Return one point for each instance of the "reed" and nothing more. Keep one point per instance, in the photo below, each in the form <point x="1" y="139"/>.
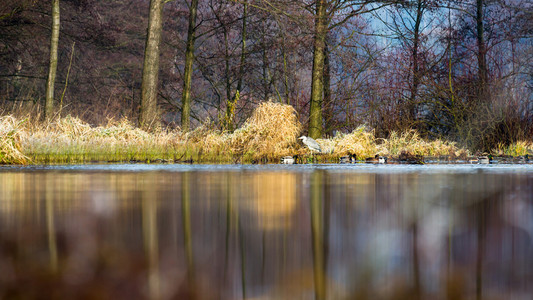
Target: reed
<point x="270" y="133"/>
<point x="10" y="138"/>
<point x="70" y="140"/>
<point x="205" y="144"/>
<point x="411" y="142"/>
<point x="519" y="148"/>
<point x="361" y="142"/>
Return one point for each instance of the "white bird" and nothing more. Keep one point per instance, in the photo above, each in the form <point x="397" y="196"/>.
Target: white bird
<point x="310" y="143"/>
<point x="288" y="160"/>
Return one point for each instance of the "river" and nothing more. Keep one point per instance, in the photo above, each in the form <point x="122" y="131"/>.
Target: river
<point x="167" y="231"/>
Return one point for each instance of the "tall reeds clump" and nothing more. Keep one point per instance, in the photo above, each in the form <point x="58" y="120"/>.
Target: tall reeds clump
<point x="518" y="148"/>
<point x="410" y="141"/>
<point x="10" y="148"/>
<point x="363" y="143"/>
<point x="360" y="142"/>
<point x="272" y="131"/>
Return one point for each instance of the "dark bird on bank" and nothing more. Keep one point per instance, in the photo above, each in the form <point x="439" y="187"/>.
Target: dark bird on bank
<point x="377" y="159"/>
<point x="348" y="159"/>
<point x="310" y="143"/>
<point x="523" y="159"/>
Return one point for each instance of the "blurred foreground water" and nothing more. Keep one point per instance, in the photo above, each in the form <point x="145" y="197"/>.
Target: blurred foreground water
<point x="266" y="232"/>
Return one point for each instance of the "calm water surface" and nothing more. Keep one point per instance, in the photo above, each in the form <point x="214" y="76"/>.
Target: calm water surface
<point x="266" y="232"/>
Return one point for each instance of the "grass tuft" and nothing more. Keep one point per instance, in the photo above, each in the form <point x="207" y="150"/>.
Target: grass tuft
<point x="272" y="131"/>
<point x="411" y="142"/>
<point x="363" y="143"/>
<point x="10" y="137"/>
<point x="519" y="148"/>
<point x="360" y="142"/>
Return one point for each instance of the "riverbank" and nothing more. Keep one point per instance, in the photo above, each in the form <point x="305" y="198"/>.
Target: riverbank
<point x="270" y="133"/>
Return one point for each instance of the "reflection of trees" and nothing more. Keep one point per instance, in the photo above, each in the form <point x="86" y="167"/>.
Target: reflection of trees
<point x="186" y="215"/>
<point x="50" y="226"/>
<point x="405" y="230"/>
<point x="270" y="199"/>
<point x="318" y="234"/>
<point x="416" y="262"/>
<point x="417" y="201"/>
<point x="229" y="208"/>
<point x="481" y="228"/>
<point x="187" y="235"/>
<point x="150" y="239"/>
<point x="233" y="213"/>
<point x="242" y="251"/>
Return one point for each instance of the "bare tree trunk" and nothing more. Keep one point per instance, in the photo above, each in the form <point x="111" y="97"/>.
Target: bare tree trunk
<point x="243" y="47"/>
<point x="266" y="79"/>
<point x="315" y="110"/>
<point x="416" y="69"/>
<point x="149" y="114"/>
<point x="285" y="71"/>
<point x="328" y="105"/>
<point x="52" y="69"/>
<point x="285" y="99"/>
<point x="189" y="58"/>
<point x="481" y="54"/>
<point x="230" y="106"/>
<point x="232" y="101"/>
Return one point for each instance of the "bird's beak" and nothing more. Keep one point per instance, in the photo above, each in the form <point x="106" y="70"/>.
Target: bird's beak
<point x="301" y="138"/>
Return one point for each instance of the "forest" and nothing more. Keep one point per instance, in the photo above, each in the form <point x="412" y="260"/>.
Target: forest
<point x="460" y="71"/>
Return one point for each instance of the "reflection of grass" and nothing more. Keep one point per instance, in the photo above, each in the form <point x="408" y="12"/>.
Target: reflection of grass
<point x="270" y="133"/>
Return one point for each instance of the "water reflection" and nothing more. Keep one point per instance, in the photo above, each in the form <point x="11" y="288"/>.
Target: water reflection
<point x="149" y="206"/>
<point x="283" y="233"/>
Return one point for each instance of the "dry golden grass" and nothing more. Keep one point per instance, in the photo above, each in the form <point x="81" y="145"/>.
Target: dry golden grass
<point x="208" y="143"/>
<point x="363" y="143"/>
<point x="360" y="142"/>
<point x="10" y="149"/>
<point x="71" y="140"/>
<point x="519" y="148"/>
<point x="270" y="132"/>
<point x="411" y="142"/>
